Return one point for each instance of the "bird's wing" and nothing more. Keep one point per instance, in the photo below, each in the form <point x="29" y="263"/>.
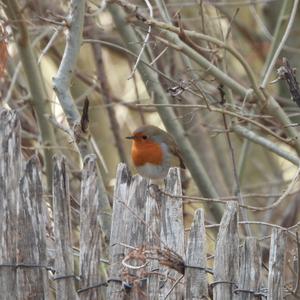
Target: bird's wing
<point x="175" y="150"/>
<point x="179" y="155"/>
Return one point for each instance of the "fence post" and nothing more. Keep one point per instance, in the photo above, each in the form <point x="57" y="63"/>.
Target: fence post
<point x="116" y="251"/>
<point x="172" y="230"/>
<point x="196" y="278"/>
<point x="135" y="235"/>
<point x="31" y="241"/>
<point x="64" y="263"/>
<point x="153" y="226"/>
<point x="226" y="263"/>
<point x="90" y="232"/>
<point x="276" y="264"/>
<point x="250" y="269"/>
<point x="10" y="169"/>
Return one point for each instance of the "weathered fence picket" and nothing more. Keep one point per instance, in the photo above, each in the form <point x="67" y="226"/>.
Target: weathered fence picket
<point x="135" y="235"/>
<point x="10" y="174"/>
<point x="172" y="230"/>
<point x="64" y="263"/>
<point x="196" y="261"/>
<point x="116" y="250"/>
<point x="276" y="264"/>
<point x="90" y="232"/>
<point x="250" y="270"/>
<point x="226" y="271"/>
<point x="153" y="225"/>
<point x="148" y="259"/>
<point x="32" y="274"/>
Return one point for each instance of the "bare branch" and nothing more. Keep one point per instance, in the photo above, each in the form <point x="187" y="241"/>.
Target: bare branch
<point x="62" y="80"/>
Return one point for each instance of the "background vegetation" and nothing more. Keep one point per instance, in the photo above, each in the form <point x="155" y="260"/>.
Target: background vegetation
<point x="204" y="70"/>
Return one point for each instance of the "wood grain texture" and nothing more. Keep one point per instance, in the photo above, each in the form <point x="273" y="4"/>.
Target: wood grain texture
<point x="31" y="240"/>
<point x="90" y="231"/>
<point x="226" y="263"/>
<point x="276" y="264"/>
<point x="195" y="278"/>
<point x="250" y="269"/>
<point x="116" y="251"/>
<point x="64" y="264"/>
<point x="153" y="224"/>
<point x="135" y="235"/>
<point x="172" y="230"/>
<point x="10" y="169"/>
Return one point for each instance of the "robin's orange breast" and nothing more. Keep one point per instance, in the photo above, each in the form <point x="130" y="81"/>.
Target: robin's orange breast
<point x="146" y="152"/>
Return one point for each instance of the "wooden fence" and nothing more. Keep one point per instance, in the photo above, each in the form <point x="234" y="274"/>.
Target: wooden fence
<point x="150" y="256"/>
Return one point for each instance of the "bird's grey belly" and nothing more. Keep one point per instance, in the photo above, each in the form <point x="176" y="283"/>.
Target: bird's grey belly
<point x="153" y="171"/>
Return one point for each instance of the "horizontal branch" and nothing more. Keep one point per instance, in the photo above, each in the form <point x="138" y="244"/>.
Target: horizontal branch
<point x="257" y="139"/>
<point x="227" y="112"/>
<point x="275" y="204"/>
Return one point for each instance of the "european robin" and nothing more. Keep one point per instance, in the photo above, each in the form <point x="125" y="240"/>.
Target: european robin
<point x="154" y="151"/>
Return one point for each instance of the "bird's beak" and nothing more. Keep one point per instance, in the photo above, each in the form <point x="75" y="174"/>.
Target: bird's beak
<point x="130" y="137"/>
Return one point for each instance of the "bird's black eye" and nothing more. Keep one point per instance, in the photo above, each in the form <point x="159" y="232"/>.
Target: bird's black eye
<point x="144" y="137"/>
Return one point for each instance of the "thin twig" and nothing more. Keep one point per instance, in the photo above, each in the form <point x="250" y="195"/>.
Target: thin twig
<point x="50" y="43"/>
<point x="107" y="99"/>
<point x="222" y="111"/>
<point x="159" y="56"/>
<point x="236" y="177"/>
<point x="12" y="83"/>
<point x="256" y="223"/>
<point x="252" y="195"/>
<point x="65" y="129"/>
<point x="125" y="264"/>
<point x="99" y="154"/>
<point x="63" y="21"/>
<point x="132" y="256"/>
<point x="143" y="222"/>
<point x="254" y="208"/>
<point x="145" y="41"/>
<point x="174" y="285"/>
<point x="281" y="198"/>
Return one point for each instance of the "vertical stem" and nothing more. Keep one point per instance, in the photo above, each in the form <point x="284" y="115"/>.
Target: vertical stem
<point x="238" y="191"/>
<point x="107" y="98"/>
<point x="61" y="85"/>
<point x="34" y="79"/>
